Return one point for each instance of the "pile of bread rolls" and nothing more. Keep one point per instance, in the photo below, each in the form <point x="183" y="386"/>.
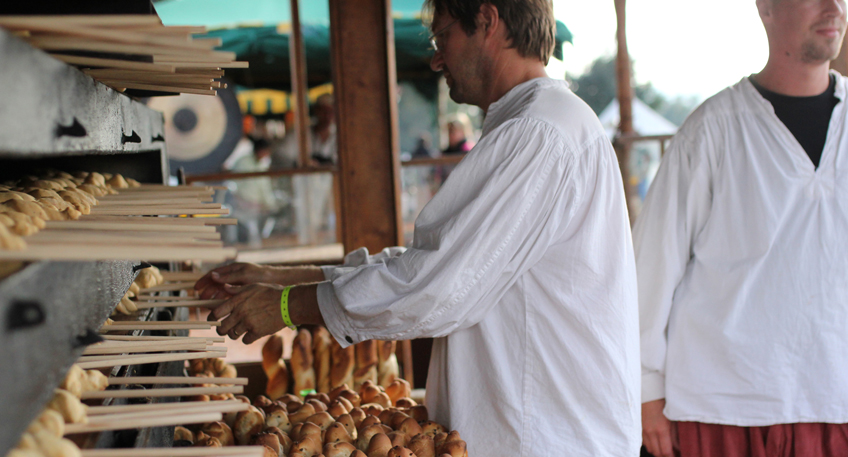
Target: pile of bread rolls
<point x="44" y="435"/>
<point x="374" y="422"/>
<point x="319" y="363"/>
<point x="147" y="277"/>
<point x="26" y="203"/>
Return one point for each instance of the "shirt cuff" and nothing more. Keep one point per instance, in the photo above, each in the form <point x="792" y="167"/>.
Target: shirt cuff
<point x="334" y="316"/>
<point x="328" y="271"/>
<point x="653" y="386"/>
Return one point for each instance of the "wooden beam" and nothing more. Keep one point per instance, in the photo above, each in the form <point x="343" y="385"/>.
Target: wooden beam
<point x="297" y="56"/>
<point x="840" y="63"/>
<point x="625" y="103"/>
<point x="365" y="88"/>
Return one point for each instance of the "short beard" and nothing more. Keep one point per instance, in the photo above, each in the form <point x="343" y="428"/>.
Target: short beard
<point x="812" y="52"/>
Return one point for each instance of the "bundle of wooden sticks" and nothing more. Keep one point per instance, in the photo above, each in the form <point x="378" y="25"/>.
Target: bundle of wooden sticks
<point x="134" y="52"/>
<point x="117" y="225"/>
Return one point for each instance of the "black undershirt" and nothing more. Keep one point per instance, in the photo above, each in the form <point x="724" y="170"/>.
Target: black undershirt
<point x="807" y="118"/>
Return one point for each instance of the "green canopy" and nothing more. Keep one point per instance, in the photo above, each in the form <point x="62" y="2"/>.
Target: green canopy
<point x="267" y="50"/>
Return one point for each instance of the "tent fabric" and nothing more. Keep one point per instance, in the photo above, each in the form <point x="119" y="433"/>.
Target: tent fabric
<point x="267" y="50"/>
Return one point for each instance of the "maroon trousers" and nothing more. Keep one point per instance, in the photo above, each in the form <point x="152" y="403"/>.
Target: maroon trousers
<point x="783" y="440"/>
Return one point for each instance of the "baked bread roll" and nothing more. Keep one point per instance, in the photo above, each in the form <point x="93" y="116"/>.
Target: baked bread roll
<point x="270" y="440"/>
<point x="342" y="365"/>
<point x="69" y="406"/>
<point x="275" y="368"/>
<point x="397" y="389"/>
<point x="184" y="434"/>
<point x="339" y="449"/>
<point x="422" y="445"/>
<point x="51" y="446"/>
<point x="337" y="432"/>
<point x="322" y="353"/>
<point x="301" y="362"/>
<point x="379" y="445"/>
<point x="399" y="451"/>
<point x="366" y="363"/>
<point x="50" y="421"/>
<point x="221" y="431"/>
<point x="387" y="364"/>
<point x="247" y="424"/>
<point x="10" y="241"/>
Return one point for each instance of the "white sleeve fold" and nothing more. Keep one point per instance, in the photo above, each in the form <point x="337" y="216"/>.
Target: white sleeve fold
<point x="675" y="211"/>
<point x="359" y="257"/>
<point x="490" y="222"/>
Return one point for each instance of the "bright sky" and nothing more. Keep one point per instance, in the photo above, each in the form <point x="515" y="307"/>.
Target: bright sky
<point x="684" y="47"/>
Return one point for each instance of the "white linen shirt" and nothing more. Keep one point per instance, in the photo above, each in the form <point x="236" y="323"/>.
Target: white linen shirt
<point x="742" y="255"/>
<point x="521" y="266"/>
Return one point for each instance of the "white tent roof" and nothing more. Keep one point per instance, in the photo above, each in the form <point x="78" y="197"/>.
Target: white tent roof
<point x="646" y="121"/>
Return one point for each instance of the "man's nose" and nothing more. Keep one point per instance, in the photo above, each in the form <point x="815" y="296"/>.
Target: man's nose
<point x="437" y="62"/>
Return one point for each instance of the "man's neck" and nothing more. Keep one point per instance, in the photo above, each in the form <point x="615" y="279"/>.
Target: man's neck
<point x="794" y="79"/>
<point x="508" y="74"/>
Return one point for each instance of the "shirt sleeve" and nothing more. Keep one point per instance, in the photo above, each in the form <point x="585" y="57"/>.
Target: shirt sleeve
<point x="675" y="211"/>
<point x="491" y="220"/>
<point x="360" y="257"/>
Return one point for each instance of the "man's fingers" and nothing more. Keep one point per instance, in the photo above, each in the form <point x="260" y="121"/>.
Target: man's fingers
<point x="221" y="310"/>
<point x="250" y="337"/>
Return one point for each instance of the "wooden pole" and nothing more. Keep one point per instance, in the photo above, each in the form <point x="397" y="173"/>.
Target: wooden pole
<point x="625" y="100"/>
<point x="840" y="63"/>
<point x="365" y="87"/>
<point x="297" y="56"/>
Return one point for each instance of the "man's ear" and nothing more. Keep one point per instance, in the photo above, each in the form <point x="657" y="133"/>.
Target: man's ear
<point x="488" y="19"/>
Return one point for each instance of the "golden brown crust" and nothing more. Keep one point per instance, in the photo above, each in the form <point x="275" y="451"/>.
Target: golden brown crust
<point x="301" y="362"/>
<point x="321" y="351"/>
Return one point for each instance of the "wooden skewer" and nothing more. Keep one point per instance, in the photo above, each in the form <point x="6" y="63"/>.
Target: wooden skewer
<point x="171" y="419"/>
<point x="179" y="304"/>
<point x="129" y="226"/>
<point x="165" y="298"/>
<point x="229" y="451"/>
<point x="170" y="287"/>
<point x="120" y="252"/>
<point x="131" y="357"/>
<point x="157" y="325"/>
<point x="209" y="339"/>
<point x="144" y="348"/>
<point x="166" y="392"/>
<point x="176" y="380"/>
<point x="106" y="418"/>
<point x="182" y="275"/>
<point x="187" y="406"/>
<point x="156" y="210"/>
<point x="129" y="360"/>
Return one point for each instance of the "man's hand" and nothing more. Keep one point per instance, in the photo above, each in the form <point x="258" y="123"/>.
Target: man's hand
<point x="657" y="433"/>
<point x="253" y="311"/>
<point x="211" y="285"/>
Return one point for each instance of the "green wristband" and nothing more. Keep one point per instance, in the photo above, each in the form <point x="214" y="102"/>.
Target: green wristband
<point x="284" y="308"/>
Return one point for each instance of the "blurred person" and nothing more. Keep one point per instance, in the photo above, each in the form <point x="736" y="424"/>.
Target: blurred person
<point x="521" y="266"/>
<point x="313" y="193"/>
<point x="459" y="134"/>
<point x="742" y="258"/>
<point x="254" y="198"/>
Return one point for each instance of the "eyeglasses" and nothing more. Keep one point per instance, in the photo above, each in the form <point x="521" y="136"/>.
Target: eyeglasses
<point x="434" y="37"/>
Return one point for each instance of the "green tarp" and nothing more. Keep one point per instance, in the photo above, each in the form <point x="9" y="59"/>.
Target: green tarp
<point x="268" y="53"/>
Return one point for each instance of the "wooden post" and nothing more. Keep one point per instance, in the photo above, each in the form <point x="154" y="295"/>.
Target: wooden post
<point x="625" y="99"/>
<point x="840" y="63"/>
<point x="365" y="88"/>
<point x="297" y="56"/>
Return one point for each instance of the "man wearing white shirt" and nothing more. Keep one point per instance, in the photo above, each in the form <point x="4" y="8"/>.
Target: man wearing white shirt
<point x="521" y="266"/>
<point x="742" y="258"/>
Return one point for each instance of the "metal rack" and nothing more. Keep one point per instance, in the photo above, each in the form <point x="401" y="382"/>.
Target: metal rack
<point x="53" y="116"/>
